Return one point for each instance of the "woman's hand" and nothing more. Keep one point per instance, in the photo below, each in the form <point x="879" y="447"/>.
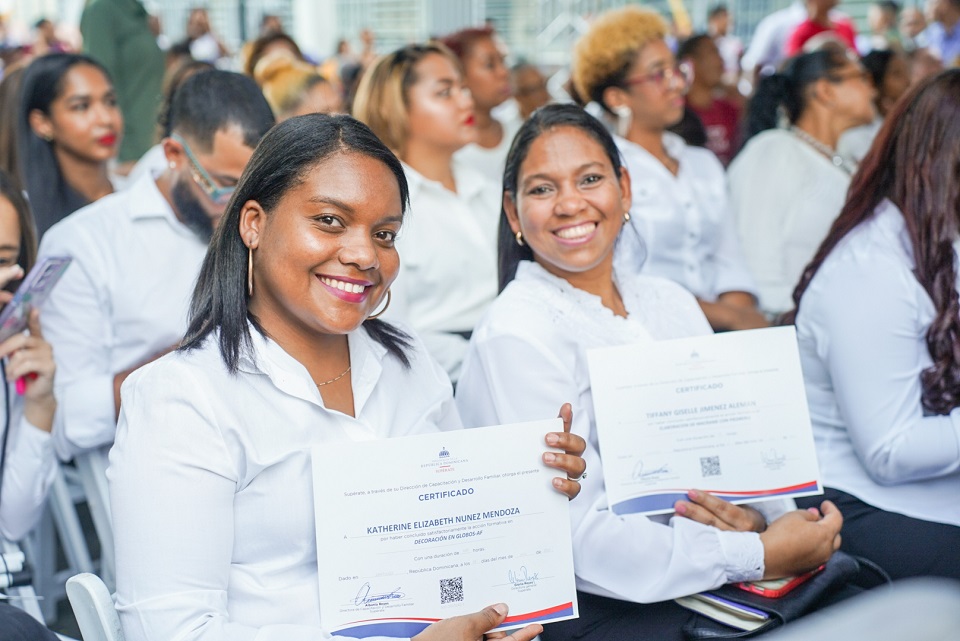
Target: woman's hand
<point x="801" y="540"/>
<point x="710" y="510"/>
<point x="571" y="462"/>
<point x="8" y="274"/>
<point x="31" y="358"/>
<point x="471" y="627"/>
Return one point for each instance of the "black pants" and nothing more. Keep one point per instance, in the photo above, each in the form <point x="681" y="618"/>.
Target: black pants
<point x="17" y="625"/>
<point x="901" y="545"/>
<point x="603" y="619"/>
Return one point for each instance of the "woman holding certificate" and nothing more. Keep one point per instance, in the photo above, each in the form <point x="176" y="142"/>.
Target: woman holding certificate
<point x="566" y="201"/>
<point x="210" y="476"/>
<point x="879" y="328"/>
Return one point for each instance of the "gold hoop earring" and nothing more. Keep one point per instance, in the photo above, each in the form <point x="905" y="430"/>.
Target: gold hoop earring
<point x="626" y="216"/>
<point x="519" y="237"/>
<point x="380" y="313"/>
<point x="250" y="271"/>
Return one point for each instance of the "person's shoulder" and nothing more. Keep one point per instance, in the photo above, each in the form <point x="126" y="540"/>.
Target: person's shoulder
<point x="181" y="371"/>
<point x="92" y="224"/>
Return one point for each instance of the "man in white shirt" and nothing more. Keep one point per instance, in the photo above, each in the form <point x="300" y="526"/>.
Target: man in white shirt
<point x="136" y="255"/>
<point x="766" y="50"/>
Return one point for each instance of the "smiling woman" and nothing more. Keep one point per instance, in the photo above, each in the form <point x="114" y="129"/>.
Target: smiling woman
<point x="284" y="353"/>
<point x="68" y="128"/>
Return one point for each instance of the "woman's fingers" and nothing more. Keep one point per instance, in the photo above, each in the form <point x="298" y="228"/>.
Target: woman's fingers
<point x="10" y="273"/>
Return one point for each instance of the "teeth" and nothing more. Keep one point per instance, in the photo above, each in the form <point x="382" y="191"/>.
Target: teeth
<point x="576" y="232"/>
<point x="351" y="288"/>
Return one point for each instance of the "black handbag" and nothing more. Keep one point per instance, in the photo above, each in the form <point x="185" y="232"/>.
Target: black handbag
<point x="842" y="572"/>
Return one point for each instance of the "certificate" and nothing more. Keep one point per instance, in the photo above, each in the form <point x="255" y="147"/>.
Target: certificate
<point x="724" y="413"/>
<point x="416" y="529"/>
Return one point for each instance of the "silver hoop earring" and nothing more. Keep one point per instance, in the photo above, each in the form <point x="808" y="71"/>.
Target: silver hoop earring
<point x="519" y="237"/>
<point x="250" y="271"/>
<point x="380" y="313"/>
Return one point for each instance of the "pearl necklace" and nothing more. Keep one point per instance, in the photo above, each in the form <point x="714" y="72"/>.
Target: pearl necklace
<point x="824" y="150"/>
<point x="334" y="380"/>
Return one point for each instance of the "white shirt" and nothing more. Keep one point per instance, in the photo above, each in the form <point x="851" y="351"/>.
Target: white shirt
<point x="491" y="161"/>
<point x="152" y="163"/>
<point x="30" y="468"/>
<point x="862" y="330"/>
<point x="855" y="142"/>
<point x="123" y="299"/>
<point x="784" y="195"/>
<point x="769" y="39"/>
<point x="527" y="357"/>
<point x="680" y="226"/>
<point x="211" y="484"/>
<point x="448" y="260"/>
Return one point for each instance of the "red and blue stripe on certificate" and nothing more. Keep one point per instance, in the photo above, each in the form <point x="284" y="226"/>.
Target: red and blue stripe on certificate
<point x="664" y="500"/>
<point x="411" y="626"/>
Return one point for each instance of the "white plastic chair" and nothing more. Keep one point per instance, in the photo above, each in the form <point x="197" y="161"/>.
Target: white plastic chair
<point x="93" y="607"/>
<point x="92" y="470"/>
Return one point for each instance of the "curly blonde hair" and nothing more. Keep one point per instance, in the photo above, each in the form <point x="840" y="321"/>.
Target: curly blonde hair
<point x="603" y="55"/>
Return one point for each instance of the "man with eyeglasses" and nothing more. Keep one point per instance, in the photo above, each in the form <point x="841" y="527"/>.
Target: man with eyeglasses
<point x="136" y="254"/>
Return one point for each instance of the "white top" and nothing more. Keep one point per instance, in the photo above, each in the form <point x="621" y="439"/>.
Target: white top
<point x="784" y="195"/>
<point x="491" y="161"/>
<point x="212" y="495"/>
<point x="152" y="163"/>
<point x="123" y="299"/>
<point x="527" y="357"/>
<point x="448" y="261"/>
<point x="862" y="330"/>
<point x="680" y="226"/>
<point x="855" y="142"/>
<point x="30" y="468"/>
<point x="770" y="37"/>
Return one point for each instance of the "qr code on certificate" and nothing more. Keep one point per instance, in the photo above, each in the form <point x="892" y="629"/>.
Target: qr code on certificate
<point x="709" y="466"/>
<point x="451" y="590"/>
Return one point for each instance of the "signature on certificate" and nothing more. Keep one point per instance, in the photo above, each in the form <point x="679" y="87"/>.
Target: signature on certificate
<point x="772" y="459"/>
<point x="640" y="470"/>
<point x="364" y="597"/>
<point x="523" y="576"/>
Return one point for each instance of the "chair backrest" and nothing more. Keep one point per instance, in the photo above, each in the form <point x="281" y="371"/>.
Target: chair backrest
<point x="94" y="609"/>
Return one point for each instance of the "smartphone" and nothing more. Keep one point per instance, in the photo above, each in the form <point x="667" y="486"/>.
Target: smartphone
<point x="778" y="587"/>
<point x="32" y="292"/>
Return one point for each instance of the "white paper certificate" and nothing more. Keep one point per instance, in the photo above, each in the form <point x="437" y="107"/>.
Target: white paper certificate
<point x="725" y="413"/>
<point x="415" y="529"/>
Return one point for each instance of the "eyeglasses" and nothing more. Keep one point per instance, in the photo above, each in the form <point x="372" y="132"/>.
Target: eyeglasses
<point x="219" y="195"/>
<point x="666" y="77"/>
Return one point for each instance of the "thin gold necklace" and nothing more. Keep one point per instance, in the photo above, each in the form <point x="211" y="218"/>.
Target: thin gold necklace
<point x="334" y="380"/>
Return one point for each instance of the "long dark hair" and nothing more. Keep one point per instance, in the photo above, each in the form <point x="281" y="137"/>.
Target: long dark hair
<point x="915" y="164"/>
<point x="28" y="234"/>
<point x="786" y="90"/>
<point x="283" y="157"/>
<point x="51" y="198"/>
<point x="542" y="120"/>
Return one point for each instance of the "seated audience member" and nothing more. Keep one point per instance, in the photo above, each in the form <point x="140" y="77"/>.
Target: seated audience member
<point x="487" y="79"/>
<point x="912" y="24"/>
<point x="680" y="214"/>
<point x="136" y="254"/>
<point x="268" y="45"/>
<point x="819" y="27"/>
<point x="216" y="437"/>
<point x="889" y="70"/>
<point x="882" y="20"/>
<point x="788" y="184"/>
<point x="942" y="36"/>
<point x="766" y="50"/>
<point x="565" y="204"/>
<point x="923" y="64"/>
<point x="415" y="101"/>
<point x="878" y="323"/>
<point x="295" y="88"/>
<point x="529" y="89"/>
<point x="68" y="129"/>
<point x="27" y="460"/>
<point x="720" y="29"/>
<point x="155" y="160"/>
<point x="720" y="117"/>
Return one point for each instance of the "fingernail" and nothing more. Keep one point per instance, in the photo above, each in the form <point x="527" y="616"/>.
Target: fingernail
<point x="680" y="508"/>
<point x="814" y="511"/>
<point x="693" y="494"/>
<point x="549" y="457"/>
<point x="501" y="609"/>
<point x="553" y="439"/>
<point x="558" y="483"/>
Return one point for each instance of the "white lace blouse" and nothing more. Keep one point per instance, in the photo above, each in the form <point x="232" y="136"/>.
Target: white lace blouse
<point x="528" y="356"/>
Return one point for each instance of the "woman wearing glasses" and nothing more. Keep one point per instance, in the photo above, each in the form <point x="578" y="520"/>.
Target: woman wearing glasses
<point x="788" y="184"/>
<point x="68" y="130"/>
<point x="681" y="225"/>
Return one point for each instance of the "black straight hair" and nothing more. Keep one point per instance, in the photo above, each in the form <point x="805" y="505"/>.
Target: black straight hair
<point x="541" y="121"/>
<point x="10" y="190"/>
<point x="43" y="81"/>
<point x="279" y="163"/>
<point x="786" y="91"/>
<point x="212" y="100"/>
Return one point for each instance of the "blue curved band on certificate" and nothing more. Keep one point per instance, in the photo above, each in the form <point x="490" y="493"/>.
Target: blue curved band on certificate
<point x="666" y="500"/>
<point x="404" y="628"/>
